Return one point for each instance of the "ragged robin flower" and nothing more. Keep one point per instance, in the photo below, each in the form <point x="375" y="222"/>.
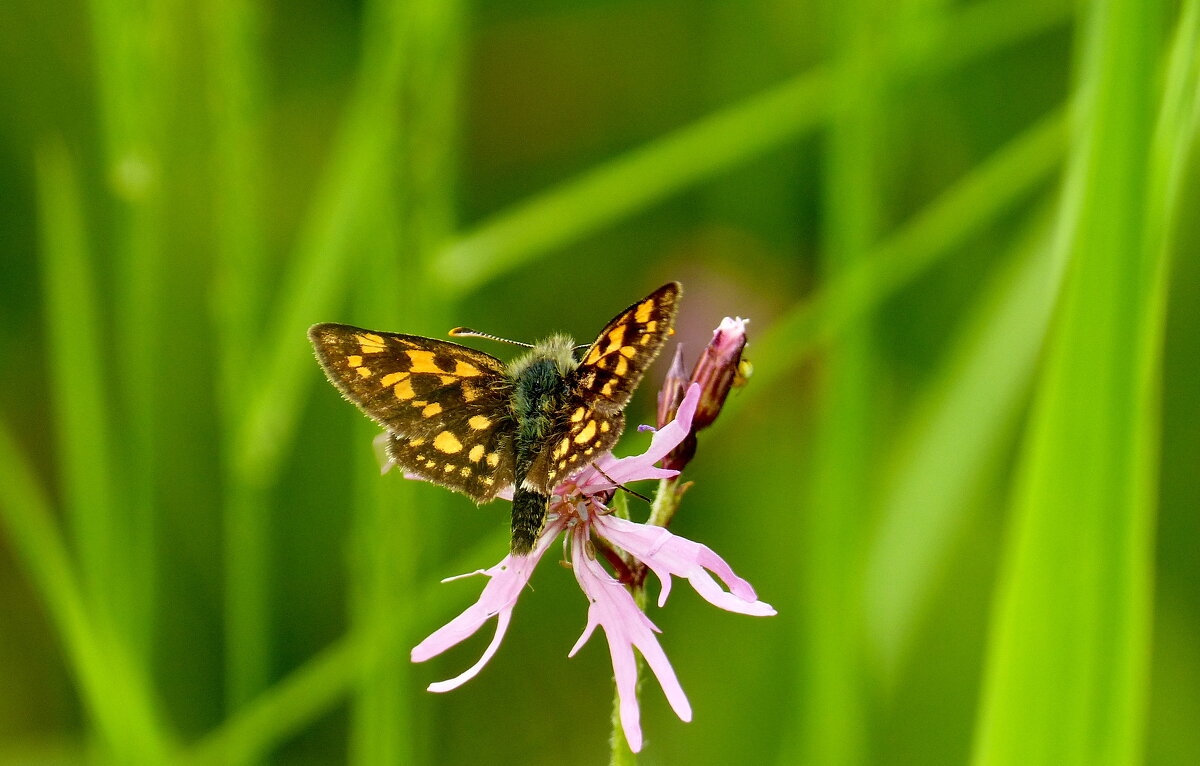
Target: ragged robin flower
<point x="715" y="372"/>
<point x="580" y="513"/>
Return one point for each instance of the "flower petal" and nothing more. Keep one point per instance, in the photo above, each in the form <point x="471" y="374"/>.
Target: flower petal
<point x="667" y="554"/>
<point x="625" y="627"/>
<point x="665" y="439"/>
<point x="499" y="596"/>
<point x="379" y="447"/>
<point x="460" y="679"/>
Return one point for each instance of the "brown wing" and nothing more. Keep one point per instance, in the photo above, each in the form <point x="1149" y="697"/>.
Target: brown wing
<point x="442" y="403"/>
<point x="614" y="364"/>
<point x="479" y="467"/>
<point x="573" y="445"/>
<point x="591" y="420"/>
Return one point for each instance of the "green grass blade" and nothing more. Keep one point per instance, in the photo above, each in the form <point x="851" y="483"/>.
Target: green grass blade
<point x="988" y="191"/>
<point x="232" y="32"/>
<point x="1178" y="118"/>
<point x="81" y="405"/>
<point x="321" y="683"/>
<point x="1066" y="670"/>
<point x="633" y="182"/>
<point x="363" y="155"/>
<point x="382" y="551"/>
<point x="120" y="705"/>
<point x="235" y="94"/>
<point x="953" y="439"/>
<point x="407" y="218"/>
<point x="701" y="151"/>
<point x="832" y="721"/>
<point x="385" y="540"/>
<point x="133" y="46"/>
<point x="113" y="688"/>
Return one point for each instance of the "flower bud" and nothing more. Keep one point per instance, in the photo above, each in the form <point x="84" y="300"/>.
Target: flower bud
<point x="673" y="388"/>
<point x="717" y="369"/>
<point x="720" y="367"/>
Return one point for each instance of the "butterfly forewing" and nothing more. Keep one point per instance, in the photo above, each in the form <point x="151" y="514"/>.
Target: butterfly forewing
<point x="614" y="364"/>
<point x="443" y="404"/>
<point x="591" y="420"/>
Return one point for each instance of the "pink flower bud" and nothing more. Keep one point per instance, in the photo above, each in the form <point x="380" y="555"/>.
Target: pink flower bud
<point x="717" y="369"/>
<point x="674" y="387"/>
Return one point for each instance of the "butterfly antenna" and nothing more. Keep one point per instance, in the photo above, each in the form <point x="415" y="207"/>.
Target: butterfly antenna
<point x="622" y="486"/>
<point x="467" y="332"/>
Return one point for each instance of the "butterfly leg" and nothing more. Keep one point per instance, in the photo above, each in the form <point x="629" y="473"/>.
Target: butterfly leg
<point x="528" y="517"/>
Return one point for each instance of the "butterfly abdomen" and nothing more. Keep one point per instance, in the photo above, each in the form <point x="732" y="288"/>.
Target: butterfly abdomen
<point x="528" y="517"/>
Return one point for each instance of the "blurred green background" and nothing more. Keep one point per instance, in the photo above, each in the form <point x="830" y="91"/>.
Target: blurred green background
<point x="964" y="471"/>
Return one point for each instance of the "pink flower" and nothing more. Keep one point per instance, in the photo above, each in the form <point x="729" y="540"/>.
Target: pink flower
<point x="717" y="369"/>
<point x="578" y="510"/>
<point x="715" y="372"/>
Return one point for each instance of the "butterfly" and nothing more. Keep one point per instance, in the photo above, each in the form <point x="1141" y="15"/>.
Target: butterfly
<point x="467" y="421"/>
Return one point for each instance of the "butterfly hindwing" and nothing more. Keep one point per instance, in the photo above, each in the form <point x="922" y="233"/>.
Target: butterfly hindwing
<point x="480" y="466"/>
<point x="574" y="444"/>
<point x="441" y="402"/>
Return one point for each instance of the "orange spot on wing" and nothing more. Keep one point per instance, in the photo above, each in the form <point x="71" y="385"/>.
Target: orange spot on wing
<point x="645" y="310"/>
<point x="422" y="361"/>
<point x="593" y="355"/>
<point x="369" y="343"/>
<point x="588" y="432"/>
<point x="447" y="442"/>
<point x="404" y="389"/>
<point x="392" y="378"/>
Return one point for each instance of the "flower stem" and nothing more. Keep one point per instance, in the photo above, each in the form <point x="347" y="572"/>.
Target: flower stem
<point x="666" y="501"/>
<point x="621" y="754"/>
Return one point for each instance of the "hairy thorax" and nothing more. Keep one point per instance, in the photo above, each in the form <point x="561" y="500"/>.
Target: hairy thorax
<point x="539" y="390"/>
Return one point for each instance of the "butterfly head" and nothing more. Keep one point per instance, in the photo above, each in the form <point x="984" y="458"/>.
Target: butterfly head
<point x="558" y="350"/>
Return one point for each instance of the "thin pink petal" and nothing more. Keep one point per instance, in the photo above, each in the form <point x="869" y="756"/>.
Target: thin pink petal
<point x="625" y="628"/>
<point x="664" y="440"/>
<point x="499" y="596"/>
<point x="471" y="672"/>
<point x="667" y="554"/>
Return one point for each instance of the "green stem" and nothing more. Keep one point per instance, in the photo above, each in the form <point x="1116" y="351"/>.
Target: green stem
<point x="666" y="502"/>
